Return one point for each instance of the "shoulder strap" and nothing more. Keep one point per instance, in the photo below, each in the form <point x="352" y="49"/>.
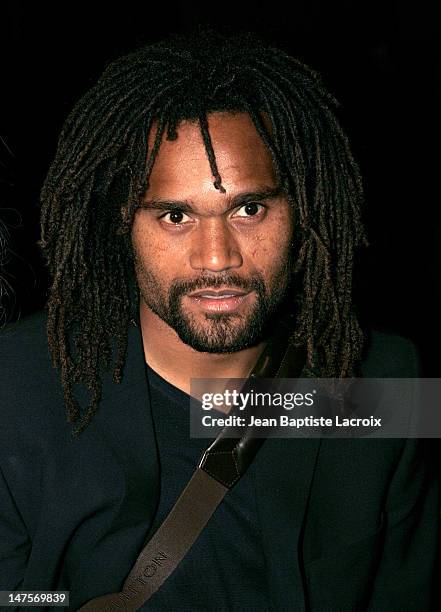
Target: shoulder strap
<point x="221" y="467"/>
<point x="168" y="546"/>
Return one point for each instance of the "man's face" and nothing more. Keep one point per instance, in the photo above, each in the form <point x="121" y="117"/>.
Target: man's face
<point x="214" y="266"/>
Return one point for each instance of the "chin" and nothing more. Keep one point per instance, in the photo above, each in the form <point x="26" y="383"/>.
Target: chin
<point x="220" y="338"/>
<point x="226" y="349"/>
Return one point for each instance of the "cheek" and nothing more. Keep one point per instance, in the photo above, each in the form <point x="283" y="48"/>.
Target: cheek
<point x="156" y="261"/>
<point x="145" y="242"/>
<point x="269" y="248"/>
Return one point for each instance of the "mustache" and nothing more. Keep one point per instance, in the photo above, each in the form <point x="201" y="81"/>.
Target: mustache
<point x="182" y="287"/>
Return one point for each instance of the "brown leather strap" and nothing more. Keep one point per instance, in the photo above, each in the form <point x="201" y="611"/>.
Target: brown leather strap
<point x="221" y="466"/>
<point x="165" y="550"/>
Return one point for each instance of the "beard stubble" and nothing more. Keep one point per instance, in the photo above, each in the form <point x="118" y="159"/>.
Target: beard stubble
<point x="218" y="332"/>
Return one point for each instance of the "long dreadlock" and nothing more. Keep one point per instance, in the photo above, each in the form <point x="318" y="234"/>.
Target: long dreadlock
<point x="100" y="174"/>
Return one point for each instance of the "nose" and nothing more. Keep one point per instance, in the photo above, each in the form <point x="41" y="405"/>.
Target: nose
<point x="214" y="247"/>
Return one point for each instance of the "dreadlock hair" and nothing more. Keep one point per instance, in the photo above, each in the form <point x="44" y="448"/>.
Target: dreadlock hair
<point x="101" y="171"/>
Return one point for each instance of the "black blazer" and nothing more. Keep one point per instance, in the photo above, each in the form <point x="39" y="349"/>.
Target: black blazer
<point x="347" y="524"/>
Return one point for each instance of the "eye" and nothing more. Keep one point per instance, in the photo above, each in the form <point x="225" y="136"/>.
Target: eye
<point x="249" y="210"/>
<point x="175" y="217"/>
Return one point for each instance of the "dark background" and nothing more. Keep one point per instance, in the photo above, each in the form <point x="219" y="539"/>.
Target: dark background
<point x="380" y="59"/>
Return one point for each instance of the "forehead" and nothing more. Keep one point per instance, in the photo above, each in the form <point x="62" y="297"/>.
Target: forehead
<point x="242" y="158"/>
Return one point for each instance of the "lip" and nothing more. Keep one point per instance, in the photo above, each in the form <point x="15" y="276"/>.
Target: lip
<point x="224" y="300"/>
<point x="219" y="294"/>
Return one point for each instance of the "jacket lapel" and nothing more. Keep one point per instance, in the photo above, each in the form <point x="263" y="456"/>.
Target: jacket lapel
<point x="127" y="426"/>
<point x="284" y="471"/>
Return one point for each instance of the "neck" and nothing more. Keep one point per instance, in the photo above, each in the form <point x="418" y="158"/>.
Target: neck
<point x="178" y="363"/>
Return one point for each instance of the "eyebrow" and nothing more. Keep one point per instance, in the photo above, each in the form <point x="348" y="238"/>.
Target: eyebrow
<point x="266" y="193"/>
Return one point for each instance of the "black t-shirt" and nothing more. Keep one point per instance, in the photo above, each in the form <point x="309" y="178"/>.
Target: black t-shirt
<point x="224" y="570"/>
